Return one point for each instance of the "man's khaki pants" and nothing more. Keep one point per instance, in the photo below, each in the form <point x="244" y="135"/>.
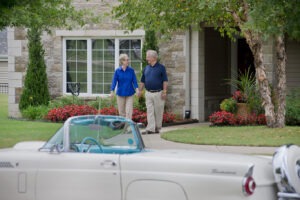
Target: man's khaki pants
<point x="155" y="110"/>
<point x="125" y="106"/>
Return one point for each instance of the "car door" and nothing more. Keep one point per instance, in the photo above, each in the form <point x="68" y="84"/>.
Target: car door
<point x="77" y="176"/>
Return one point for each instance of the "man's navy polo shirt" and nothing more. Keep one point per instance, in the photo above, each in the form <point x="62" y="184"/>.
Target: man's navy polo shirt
<point x="153" y="77"/>
<point x="126" y="81"/>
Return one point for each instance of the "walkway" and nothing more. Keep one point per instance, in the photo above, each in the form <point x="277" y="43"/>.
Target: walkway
<point x="154" y="141"/>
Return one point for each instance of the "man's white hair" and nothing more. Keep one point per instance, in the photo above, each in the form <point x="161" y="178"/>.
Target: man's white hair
<point x="152" y="53"/>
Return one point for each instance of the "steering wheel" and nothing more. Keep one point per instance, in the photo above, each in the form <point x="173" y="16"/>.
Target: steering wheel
<point x="92" y="140"/>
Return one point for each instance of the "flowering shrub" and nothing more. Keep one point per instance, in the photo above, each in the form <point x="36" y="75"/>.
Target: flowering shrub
<point x="222" y="118"/>
<point x="139" y="116"/>
<point x="109" y="111"/>
<point x="168" y="117"/>
<point x="261" y="119"/>
<point x="239" y="97"/>
<point x="63" y="113"/>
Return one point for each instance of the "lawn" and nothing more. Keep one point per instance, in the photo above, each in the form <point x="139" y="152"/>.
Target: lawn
<point x="236" y="136"/>
<point x="13" y="131"/>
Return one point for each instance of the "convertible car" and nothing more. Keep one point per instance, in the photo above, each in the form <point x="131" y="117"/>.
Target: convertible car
<point x="103" y="157"/>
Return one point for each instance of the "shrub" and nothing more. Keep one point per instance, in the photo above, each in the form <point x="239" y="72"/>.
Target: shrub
<point x="168" y="117"/>
<point x="63" y="113"/>
<point x="261" y="119"/>
<point x="65" y="100"/>
<point x="222" y="118"/>
<point x="139" y="116"/>
<point x="103" y="102"/>
<point x="239" y="97"/>
<point x="35" y="91"/>
<point x="109" y="111"/>
<point x="292" y="116"/>
<point x="35" y="112"/>
<point x="140" y="102"/>
<point x="229" y="105"/>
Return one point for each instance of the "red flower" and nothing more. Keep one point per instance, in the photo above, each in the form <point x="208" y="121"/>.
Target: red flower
<point x="63" y="113"/>
<point x="239" y="97"/>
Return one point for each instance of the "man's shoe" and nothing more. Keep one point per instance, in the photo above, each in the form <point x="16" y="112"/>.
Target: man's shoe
<point x="156" y="130"/>
<point x="147" y="132"/>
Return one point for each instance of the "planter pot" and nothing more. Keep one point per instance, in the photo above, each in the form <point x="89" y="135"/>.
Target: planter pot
<point x="242" y="109"/>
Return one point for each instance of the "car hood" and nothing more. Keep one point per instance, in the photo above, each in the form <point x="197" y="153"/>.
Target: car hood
<point x="201" y="162"/>
<point x="30" y="145"/>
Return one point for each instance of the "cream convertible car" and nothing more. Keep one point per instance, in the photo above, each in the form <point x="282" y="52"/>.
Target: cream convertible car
<point x="103" y="157"/>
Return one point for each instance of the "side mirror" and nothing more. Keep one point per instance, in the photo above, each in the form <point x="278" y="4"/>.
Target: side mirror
<point x="55" y="148"/>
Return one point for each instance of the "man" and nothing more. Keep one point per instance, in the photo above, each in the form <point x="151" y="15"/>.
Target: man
<point x="155" y="80"/>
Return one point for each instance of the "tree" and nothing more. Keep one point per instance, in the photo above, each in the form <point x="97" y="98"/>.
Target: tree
<point x="35" y="90"/>
<point x="149" y="43"/>
<point x="231" y="17"/>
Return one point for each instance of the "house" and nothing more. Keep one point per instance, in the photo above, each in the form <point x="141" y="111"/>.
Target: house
<point x="3" y="62"/>
<point x="197" y="62"/>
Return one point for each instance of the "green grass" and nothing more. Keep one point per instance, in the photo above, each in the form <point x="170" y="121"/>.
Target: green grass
<point x="13" y="131"/>
<point x="236" y="136"/>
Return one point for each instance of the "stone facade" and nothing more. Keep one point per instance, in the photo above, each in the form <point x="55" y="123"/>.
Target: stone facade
<point x="172" y="55"/>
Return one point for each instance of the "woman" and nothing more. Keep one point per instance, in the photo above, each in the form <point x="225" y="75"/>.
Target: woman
<point x="125" y="80"/>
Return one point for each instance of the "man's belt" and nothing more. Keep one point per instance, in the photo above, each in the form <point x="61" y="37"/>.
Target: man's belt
<point x="153" y="91"/>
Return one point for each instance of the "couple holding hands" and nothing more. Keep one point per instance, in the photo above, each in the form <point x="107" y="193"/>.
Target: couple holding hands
<point x="154" y="80"/>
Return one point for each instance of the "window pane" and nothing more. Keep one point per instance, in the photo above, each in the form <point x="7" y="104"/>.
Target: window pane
<point x="109" y="67"/>
<point x="76" y="63"/>
<point x="136" y="66"/>
<point x="97" y="89"/>
<point x="97" y="66"/>
<point x="108" y="77"/>
<point x="71" y="77"/>
<point x="124" y="44"/>
<point x="97" y="44"/>
<point x="82" y="66"/>
<point x="98" y="55"/>
<point x="109" y="44"/>
<point x="71" y="44"/>
<point x="97" y="77"/>
<point x="71" y="54"/>
<point x="82" y="55"/>
<point x="82" y="77"/>
<point x="106" y="89"/>
<point x="81" y="44"/>
<point x="109" y="55"/>
<point x="103" y="59"/>
<point x="71" y="66"/>
<point x="83" y="88"/>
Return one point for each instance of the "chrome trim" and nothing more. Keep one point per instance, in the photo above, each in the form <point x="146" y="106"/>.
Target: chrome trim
<point x="288" y="195"/>
<point x="6" y="165"/>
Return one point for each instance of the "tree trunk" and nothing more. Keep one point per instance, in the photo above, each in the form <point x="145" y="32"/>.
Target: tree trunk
<point x="255" y="44"/>
<point x="281" y="81"/>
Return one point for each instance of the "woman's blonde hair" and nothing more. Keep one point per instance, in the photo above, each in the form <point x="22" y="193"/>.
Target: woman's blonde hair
<point x="122" y="57"/>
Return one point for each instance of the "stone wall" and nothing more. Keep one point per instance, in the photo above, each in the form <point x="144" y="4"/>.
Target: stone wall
<point x="172" y="55"/>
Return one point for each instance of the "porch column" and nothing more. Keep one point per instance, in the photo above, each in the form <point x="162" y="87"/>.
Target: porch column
<point x="197" y="75"/>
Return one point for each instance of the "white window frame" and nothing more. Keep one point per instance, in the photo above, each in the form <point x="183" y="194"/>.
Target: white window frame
<point x="89" y="60"/>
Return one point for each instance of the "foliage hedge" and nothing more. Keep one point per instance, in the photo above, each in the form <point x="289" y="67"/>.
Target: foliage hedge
<point x="63" y="113"/>
<point x="292" y="116"/>
<point x="224" y="118"/>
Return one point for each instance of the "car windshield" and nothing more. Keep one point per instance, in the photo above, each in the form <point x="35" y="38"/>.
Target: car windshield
<point x="96" y="134"/>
